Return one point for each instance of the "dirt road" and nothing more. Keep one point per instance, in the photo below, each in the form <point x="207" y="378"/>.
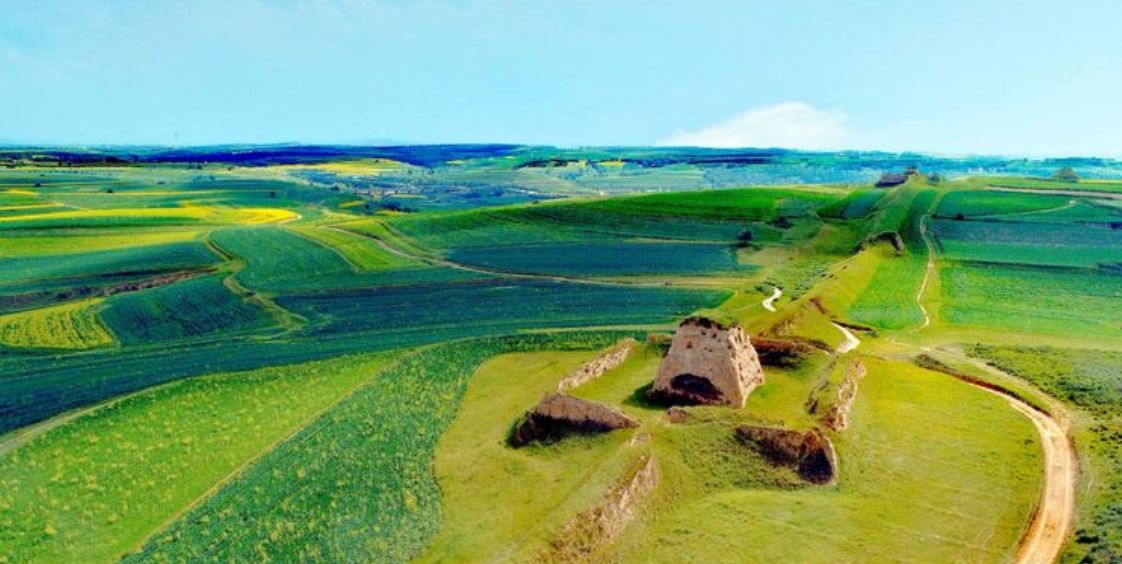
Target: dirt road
<point x="1055" y="513"/>
<point x="851" y="341"/>
<point x="927" y="272"/>
<point x="769" y="302"/>
<point x="1054" y="516"/>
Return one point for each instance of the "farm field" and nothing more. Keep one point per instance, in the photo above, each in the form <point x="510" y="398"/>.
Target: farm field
<point x="321" y="354"/>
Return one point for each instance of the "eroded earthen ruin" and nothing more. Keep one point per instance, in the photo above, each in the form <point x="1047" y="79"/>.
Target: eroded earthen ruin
<point x="557" y="416"/>
<point x="708" y="363"/>
<point x="810" y="454"/>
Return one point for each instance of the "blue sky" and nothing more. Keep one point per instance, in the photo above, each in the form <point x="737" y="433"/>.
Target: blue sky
<point x="1003" y="77"/>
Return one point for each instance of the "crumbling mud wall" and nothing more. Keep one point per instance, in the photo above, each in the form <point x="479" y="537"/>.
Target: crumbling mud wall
<point x="596" y="527"/>
<point x="596" y="367"/>
<point x="836" y="415"/>
<point x="708" y="363"/>
<point x="557" y="416"/>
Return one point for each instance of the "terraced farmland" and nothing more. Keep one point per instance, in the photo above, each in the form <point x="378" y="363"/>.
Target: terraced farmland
<point x="240" y="356"/>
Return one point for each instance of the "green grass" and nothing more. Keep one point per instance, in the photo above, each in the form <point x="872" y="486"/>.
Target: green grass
<point x="73" y="242"/>
<point x="96" y="487"/>
<point x="604" y="259"/>
<point x="1049" y="184"/>
<point x="915" y="436"/>
<point x="1047" y="301"/>
<point x="889" y="301"/>
<point x="972" y="203"/>
<point x="1022" y="242"/>
<point x="356" y="484"/>
<point x="491" y="307"/>
<point x="101" y="268"/>
<point x="511" y="502"/>
<point x="1091" y="381"/>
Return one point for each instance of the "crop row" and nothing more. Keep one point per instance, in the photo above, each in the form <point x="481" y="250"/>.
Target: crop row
<point x="192" y="308"/>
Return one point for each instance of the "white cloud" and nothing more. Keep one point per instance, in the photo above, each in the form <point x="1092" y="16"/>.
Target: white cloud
<point x="791" y="125"/>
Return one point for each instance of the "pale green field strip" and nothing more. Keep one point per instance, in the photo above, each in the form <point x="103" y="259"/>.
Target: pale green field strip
<point x="98" y="486"/>
<point x="923" y="477"/>
<point x="360" y="251"/>
<point x="73" y="325"/>
<point x="87" y="241"/>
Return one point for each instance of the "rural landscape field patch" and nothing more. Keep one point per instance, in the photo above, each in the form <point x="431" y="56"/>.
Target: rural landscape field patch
<point x="249" y="355"/>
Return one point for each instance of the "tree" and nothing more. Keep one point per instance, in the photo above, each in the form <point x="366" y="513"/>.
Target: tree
<point x="1066" y="174"/>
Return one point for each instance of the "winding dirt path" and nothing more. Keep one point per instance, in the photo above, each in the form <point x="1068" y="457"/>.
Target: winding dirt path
<point x="927" y="272"/>
<point x="769" y="302"/>
<point x="1055" y="513"/>
<point x="851" y="341"/>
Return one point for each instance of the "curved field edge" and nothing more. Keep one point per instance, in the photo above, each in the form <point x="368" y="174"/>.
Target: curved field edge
<point x="97" y="485"/>
<point x="356" y="484"/>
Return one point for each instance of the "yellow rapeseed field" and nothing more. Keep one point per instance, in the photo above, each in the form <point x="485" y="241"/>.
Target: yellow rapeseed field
<point x="71" y="325"/>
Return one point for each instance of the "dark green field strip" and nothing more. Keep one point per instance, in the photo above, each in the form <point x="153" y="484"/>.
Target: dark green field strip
<point x="604" y="259"/>
<point x="494" y="306"/>
<point x="857" y="204"/>
<point x="98" y="269"/>
<point x="1050" y="184"/>
<point x="971" y="203"/>
<point x="356" y="485"/>
<point x="1065" y="244"/>
<point x="193" y="308"/>
<point x="1095" y="213"/>
<point x="696" y="216"/>
<point x="280" y="260"/>
<point x="33" y="388"/>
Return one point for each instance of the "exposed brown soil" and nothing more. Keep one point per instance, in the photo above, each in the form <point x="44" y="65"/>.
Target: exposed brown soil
<point x="1055" y="513"/>
<point x="557" y="416"/>
<point x="811" y="454"/>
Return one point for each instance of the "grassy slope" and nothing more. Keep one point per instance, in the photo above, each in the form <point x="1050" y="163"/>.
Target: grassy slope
<point x="357" y="483"/>
<point x="1091" y="381"/>
<point x="922" y="477"/>
<point x="99" y="485"/>
<point x="508" y="503"/>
